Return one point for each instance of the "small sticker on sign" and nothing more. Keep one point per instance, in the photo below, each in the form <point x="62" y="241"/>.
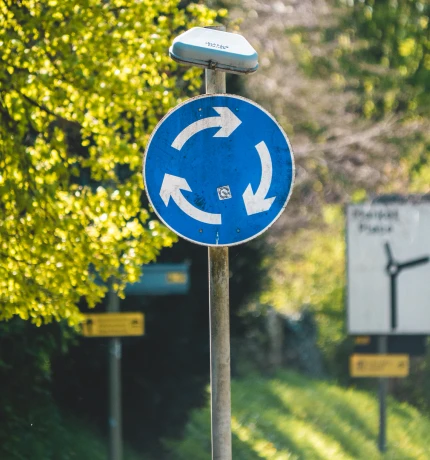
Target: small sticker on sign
<point x="224" y="192"/>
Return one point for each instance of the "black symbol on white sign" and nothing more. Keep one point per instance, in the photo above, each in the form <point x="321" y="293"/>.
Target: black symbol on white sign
<point x="393" y="269"/>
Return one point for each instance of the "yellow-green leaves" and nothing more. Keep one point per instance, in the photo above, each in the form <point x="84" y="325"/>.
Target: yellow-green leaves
<point x="396" y="36"/>
<point x="82" y="85"/>
<point x="314" y="271"/>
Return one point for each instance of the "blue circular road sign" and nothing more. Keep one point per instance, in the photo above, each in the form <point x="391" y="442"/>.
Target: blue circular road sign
<point x="218" y="170"/>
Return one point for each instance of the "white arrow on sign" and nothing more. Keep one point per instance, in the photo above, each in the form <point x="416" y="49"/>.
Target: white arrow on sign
<point x="172" y="186"/>
<point x="227" y="121"/>
<point x="255" y="203"/>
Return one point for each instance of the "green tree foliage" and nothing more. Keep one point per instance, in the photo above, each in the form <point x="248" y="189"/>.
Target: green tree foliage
<point x="384" y="53"/>
<point x="82" y="85"/>
<point x="32" y="426"/>
<point x="292" y="417"/>
<point x="377" y="53"/>
<point x="390" y="42"/>
<point x="312" y="272"/>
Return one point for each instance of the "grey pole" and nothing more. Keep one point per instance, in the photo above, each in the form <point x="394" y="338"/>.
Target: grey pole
<point x="220" y="353"/>
<point x="219" y="325"/>
<point x="382" y="390"/>
<point x="115" y="425"/>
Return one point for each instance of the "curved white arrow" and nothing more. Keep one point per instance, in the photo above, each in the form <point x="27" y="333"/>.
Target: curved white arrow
<point x="172" y="186"/>
<point x="255" y="203"/>
<point x="227" y="121"/>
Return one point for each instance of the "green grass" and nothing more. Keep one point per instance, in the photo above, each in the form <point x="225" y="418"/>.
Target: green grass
<point x="292" y="417"/>
<point x="82" y="443"/>
<point x="68" y="439"/>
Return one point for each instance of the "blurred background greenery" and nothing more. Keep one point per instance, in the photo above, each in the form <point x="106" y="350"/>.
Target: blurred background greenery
<point x="82" y="85"/>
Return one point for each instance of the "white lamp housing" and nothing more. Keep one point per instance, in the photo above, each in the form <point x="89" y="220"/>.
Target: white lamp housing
<point x="214" y="49"/>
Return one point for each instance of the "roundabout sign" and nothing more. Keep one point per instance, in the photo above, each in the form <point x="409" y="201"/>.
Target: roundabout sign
<point x="218" y="170"/>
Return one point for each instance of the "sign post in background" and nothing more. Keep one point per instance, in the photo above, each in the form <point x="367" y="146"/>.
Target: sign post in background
<point x="382" y="393"/>
<point x="157" y="279"/>
<point x="388" y="266"/>
<point x="115" y="416"/>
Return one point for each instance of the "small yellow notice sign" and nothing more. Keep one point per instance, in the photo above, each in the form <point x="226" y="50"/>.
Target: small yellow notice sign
<point x="362" y="340"/>
<point x="176" y="278"/>
<point x="381" y="365"/>
<point x="113" y="324"/>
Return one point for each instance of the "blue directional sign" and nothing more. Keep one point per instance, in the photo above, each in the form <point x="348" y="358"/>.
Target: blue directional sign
<point x="218" y="170"/>
<point x="161" y="279"/>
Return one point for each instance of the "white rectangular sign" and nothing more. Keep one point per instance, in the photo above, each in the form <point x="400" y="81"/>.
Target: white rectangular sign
<point x="388" y="258"/>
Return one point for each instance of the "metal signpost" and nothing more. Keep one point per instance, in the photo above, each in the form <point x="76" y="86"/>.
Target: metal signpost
<point x="218" y="171"/>
<point x="115" y="402"/>
<point x="157" y="279"/>
<point x="114" y="325"/>
<point x="219" y="321"/>
<point x="382" y="394"/>
<point x="388" y="253"/>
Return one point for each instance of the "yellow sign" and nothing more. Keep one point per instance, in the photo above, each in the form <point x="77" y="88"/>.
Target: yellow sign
<point x="113" y="324"/>
<point x="361" y="365"/>
<point x="362" y="340"/>
<point x="176" y="278"/>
